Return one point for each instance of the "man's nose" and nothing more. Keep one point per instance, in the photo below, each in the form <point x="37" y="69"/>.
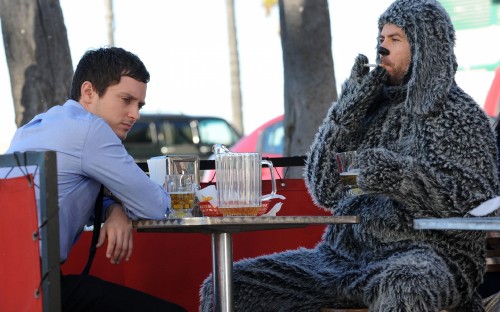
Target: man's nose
<point x="383" y="51"/>
<point x="134" y="113"/>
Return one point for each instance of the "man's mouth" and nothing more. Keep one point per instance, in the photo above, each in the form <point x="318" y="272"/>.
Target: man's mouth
<point x="127" y="126"/>
<point x="384" y="62"/>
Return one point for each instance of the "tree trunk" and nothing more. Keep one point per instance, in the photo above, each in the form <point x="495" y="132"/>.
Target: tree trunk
<point x="308" y="72"/>
<point x="237" y="115"/>
<point x="38" y="55"/>
<point x="110" y="22"/>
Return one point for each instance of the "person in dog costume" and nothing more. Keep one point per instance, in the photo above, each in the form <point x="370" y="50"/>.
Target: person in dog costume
<point x="425" y="150"/>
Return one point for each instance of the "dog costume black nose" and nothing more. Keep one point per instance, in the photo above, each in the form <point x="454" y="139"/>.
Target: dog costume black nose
<point x="383" y="51"/>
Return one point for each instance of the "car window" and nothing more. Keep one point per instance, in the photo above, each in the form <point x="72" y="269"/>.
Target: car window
<point x="214" y="131"/>
<point x="142" y="133"/>
<point x="272" y="139"/>
<point x="178" y="132"/>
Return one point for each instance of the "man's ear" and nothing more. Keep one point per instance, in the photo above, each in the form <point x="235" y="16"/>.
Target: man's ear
<point x="87" y="93"/>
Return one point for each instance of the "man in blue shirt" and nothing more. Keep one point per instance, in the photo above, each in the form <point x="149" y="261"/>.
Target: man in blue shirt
<point x="107" y="92"/>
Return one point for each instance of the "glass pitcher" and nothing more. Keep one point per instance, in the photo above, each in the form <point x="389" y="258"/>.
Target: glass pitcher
<point x="239" y="181"/>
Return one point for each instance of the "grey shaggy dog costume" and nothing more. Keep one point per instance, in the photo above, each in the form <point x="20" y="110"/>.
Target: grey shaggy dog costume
<point x="426" y="150"/>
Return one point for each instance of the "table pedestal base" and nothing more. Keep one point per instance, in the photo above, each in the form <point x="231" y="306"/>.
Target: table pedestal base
<point x="222" y="266"/>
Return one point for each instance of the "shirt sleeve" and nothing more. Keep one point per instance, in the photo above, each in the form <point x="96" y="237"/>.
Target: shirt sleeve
<point x="105" y="159"/>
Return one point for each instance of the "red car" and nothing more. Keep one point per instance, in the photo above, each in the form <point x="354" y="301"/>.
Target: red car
<point x="492" y="103"/>
<point x="266" y="139"/>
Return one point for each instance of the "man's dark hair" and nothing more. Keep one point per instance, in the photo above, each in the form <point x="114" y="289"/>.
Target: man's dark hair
<point x="104" y="67"/>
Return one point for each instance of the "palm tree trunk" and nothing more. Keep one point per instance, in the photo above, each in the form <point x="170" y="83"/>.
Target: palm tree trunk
<point x="236" y="103"/>
<point x="110" y="21"/>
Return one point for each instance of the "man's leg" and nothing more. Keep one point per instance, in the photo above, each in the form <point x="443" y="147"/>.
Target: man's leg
<point x="87" y="293"/>
<point x="297" y="280"/>
<point x="416" y="280"/>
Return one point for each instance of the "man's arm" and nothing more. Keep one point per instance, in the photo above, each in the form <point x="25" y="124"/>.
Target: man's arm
<point x="118" y="230"/>
<point x="456" y="172"/>
<point x="105" y="160"/>
<point x="339" y="131"/>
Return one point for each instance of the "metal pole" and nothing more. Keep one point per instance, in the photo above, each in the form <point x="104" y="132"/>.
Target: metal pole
<point x="222" y="279"/>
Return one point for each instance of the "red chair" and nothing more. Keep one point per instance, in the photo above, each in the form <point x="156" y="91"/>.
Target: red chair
<point x="30" y="279"/>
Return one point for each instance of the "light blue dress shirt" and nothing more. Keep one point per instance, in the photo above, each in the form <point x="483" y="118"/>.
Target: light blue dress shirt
<point x="89" y="154"/>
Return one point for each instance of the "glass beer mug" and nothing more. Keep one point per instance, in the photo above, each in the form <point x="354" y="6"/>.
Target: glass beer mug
<point x="348" y="172"/>
<point x="239" y="181"/>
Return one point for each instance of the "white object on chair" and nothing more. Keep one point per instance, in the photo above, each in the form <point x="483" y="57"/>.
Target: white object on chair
<point x="486" y="207"/>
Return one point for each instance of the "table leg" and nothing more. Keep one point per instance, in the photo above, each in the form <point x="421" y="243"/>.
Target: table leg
<point x="222" y="268"/>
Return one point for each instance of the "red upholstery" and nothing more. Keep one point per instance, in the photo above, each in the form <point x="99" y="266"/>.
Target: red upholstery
<point x="20" y="272"/>
<point x="173" y="265"/>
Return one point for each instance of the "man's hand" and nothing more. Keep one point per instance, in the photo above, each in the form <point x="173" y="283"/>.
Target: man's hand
<point x="358" y="93"/>
<point x="359" y="70"/>
<point x="118" y="230"/>
<point x="381" y="170"/>
<point x="367" y="80"/>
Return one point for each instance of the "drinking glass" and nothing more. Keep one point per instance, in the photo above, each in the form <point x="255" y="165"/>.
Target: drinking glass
<point x="348" y="171"/>
<point x="181" y="188"/>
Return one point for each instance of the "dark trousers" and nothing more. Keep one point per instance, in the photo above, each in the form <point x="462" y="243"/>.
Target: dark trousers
<point x="490" y="285"/>
<point x="89" y="293"/>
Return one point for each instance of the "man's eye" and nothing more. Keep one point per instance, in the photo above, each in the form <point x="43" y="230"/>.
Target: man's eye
<point x="127" y="100"/>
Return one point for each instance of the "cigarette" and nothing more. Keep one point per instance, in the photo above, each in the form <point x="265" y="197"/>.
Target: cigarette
<point x="371" y="65"/>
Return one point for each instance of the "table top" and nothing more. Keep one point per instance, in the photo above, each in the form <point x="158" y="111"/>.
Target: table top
<point x="472" y="223"/>
<point x="238" y="224"/>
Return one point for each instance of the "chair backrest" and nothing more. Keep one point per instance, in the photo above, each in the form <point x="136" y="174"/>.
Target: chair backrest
<point x="29" y="252"/>
<point x="492" y="253"/>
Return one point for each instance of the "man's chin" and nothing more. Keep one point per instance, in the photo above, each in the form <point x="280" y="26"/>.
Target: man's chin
<point x="121" y="136"/>
<point x="394" y="81"/>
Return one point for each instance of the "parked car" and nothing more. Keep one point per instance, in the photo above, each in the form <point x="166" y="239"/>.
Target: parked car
<point x="169" y="134"/>
<point x="267" y="139"/>
<point x="492" y="102"/>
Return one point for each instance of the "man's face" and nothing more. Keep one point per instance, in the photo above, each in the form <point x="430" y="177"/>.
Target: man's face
<point x="120" y="104"/>
<point x="397" y="62"/>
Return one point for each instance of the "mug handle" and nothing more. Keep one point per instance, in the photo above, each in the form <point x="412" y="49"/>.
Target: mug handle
<point x="273" y="181"/>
